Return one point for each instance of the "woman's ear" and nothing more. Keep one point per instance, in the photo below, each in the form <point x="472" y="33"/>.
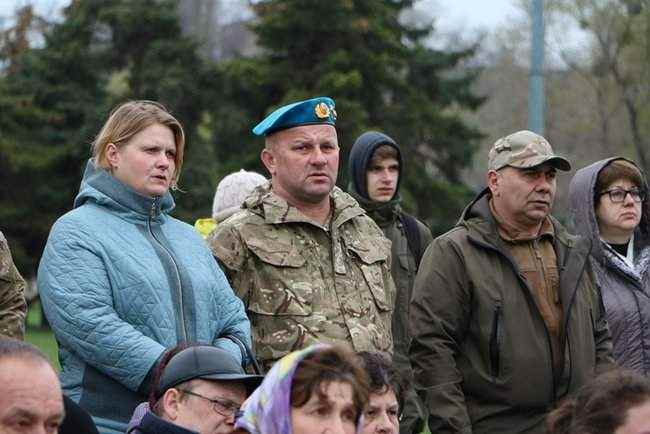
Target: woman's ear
<point x="112" y="155"/>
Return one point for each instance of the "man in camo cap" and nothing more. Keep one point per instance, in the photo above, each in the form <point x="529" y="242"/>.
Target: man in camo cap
<point x="308" y="262"/>
<point x="12" y="295"/>
<point x="506" y="317"/>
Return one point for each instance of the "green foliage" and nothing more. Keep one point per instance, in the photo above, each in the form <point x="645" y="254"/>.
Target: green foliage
<point x="57" y="98"/>
<point x="382" y="77"/>
<point x="44" y="340"/>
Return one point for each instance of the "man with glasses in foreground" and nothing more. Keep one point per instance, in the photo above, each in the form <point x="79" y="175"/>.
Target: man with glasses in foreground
<point x="609" y="206"/>
<point x="505" y="315"/>
<point x="199" y="390"/>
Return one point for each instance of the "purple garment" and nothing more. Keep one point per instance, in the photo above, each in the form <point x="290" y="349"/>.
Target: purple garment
<point x="268" y="409"/>
<point x="137" y="416"/>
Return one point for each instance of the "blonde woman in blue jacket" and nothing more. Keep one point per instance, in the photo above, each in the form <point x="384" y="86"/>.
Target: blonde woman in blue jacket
<point x="121" y="281"/>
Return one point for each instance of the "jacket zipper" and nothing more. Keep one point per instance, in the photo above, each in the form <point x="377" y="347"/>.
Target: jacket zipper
<point x="529" y="296"/>
<point x="496" y="335"/>
<point x="565" y="341"/>
<point x="152" y="214"/>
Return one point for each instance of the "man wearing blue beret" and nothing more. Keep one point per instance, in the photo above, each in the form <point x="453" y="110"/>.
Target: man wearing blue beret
<point x="308" y="262"/>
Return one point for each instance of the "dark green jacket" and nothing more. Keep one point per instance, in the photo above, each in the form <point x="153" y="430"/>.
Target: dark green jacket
<point x="390" y="218"/>
<point x="481" y="353"/>
<point x="403" y="271"/>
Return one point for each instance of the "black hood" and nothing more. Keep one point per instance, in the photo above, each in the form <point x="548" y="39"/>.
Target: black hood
<point x="360" y="155"/>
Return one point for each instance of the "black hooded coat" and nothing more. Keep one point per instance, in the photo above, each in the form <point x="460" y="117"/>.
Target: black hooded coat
<point x="405" y="256"/>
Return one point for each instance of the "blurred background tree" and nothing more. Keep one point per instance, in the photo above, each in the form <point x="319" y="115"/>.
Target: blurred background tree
<point x="371" y="56"/>
<point x="597" y="83"/>
<point x="54" y="99"/>
<point x="376" y="66"/>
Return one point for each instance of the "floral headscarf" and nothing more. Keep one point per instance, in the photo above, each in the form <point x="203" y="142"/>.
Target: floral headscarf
<point x="268" y="409"/>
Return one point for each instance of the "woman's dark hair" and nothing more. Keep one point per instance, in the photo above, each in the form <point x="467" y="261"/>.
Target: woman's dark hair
<point x="322" y="367"/>
<point x="614" y="171"/>
<point x="601" y="406"/>
<point x="383" y="375"/>
<point x="623" y="169"/>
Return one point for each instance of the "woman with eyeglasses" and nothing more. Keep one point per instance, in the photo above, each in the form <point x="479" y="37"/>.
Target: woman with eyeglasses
<point x="608" y="205"/>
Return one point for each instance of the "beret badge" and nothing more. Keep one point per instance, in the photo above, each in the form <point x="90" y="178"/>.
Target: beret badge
<point x="321" y="110"/>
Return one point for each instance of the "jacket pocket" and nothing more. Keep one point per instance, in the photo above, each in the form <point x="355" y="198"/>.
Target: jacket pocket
<point x="373" y="261"/>
<point x="281" y="283"/>
<point x="496" y="340"/>
<point x="407" y="263"/>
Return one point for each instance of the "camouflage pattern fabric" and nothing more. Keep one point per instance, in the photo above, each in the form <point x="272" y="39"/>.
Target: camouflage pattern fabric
<point x="524" y="149"/>
<point x="12" y="295"/>
<point x="303" y="283"/>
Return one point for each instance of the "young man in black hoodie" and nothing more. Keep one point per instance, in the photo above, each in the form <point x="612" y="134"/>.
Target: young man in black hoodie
<point x="375" y="169"/>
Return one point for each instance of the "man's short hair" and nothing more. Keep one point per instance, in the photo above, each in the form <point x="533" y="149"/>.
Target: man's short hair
<point x="15" y="349"/>
<point x="383" y="152"/>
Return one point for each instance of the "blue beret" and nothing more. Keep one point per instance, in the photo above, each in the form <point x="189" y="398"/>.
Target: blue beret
<point x="310" y="112"/>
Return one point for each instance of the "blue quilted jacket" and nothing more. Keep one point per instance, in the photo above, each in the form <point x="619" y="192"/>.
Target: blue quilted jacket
<point x="121" y="281"/>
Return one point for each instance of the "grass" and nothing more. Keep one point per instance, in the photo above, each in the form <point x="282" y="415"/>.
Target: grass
<point x="40" y="337"/>
<point x="44" y="340"/>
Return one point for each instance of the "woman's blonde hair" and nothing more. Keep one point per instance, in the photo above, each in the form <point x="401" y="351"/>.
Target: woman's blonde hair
<point x="127" y="120"/>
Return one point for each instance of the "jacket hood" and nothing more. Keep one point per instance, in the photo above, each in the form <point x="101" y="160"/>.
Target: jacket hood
<point x="581" y="204"/>
<point x="360" y="156"/>
<point x="478" y="207"/>
<point x="100" y="187"/>
<point x="478" y="220"/>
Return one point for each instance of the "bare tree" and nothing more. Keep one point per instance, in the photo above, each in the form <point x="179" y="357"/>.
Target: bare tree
<point x="620" y="54"/>
<point x="16" y="39"/>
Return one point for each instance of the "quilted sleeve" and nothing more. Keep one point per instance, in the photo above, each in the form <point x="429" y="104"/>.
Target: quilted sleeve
<point x="77" y="298"/>
<point x="233" y="316"/>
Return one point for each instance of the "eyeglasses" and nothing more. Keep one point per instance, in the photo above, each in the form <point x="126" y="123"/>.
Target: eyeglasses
<point x="617" y="195"/>
<point x="224" y="407"/>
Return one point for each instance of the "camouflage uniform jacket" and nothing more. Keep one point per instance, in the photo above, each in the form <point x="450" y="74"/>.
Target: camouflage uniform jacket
<point x="12" y="295"/>
<point x="304" y="283"/>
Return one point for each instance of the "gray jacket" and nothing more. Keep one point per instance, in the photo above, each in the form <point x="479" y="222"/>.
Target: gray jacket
<point x="625" y="289"/>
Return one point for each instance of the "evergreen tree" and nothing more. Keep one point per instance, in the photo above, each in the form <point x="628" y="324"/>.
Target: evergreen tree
<point x="381" y="75"/>
<point x="56" y="98"/>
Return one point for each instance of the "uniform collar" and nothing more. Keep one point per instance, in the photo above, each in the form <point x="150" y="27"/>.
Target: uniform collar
<point x="276" y="210"/>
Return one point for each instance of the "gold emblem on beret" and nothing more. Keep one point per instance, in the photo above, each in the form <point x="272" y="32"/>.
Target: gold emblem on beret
<point x="321" y="110"/>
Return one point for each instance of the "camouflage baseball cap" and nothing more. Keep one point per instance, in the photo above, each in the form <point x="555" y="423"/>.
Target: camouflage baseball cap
<point x="524" y="149"/>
